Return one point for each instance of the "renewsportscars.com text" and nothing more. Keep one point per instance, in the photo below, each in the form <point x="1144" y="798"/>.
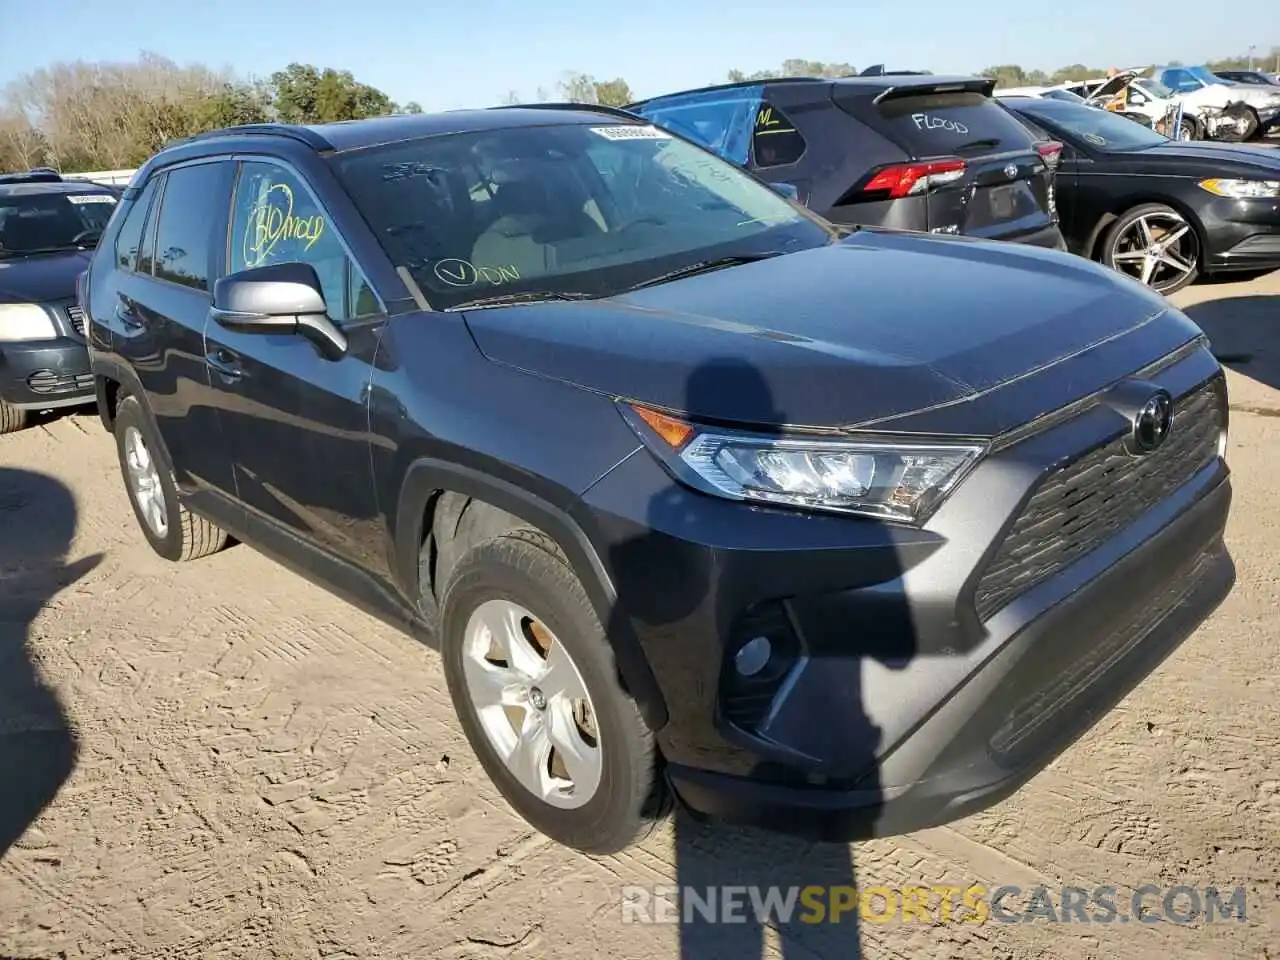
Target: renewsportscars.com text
<point x="976" y="903"/>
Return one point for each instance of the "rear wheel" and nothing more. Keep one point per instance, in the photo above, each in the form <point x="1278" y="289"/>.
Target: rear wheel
<point x="173" y="531"/>
<point x="535" y="686"/>
<point x="12" y="419"/>
<point x="1186" y="129"/>
<point x="1155" y="245"/>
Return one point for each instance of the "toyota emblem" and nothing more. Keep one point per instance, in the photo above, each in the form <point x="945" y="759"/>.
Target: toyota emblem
<point x="1011" y="171"/>
<point x="1152" y="423"/>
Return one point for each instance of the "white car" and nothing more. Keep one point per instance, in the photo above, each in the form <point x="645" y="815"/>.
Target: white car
<point x="1045" y="93"/>
<point x="1142" y="99"/>
<point x="1198" y="88"/>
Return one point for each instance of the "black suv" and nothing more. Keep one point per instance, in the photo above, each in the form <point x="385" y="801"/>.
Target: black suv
<point x="909" y="151"/>
<point x="48" y="228"/>
<point x="842" y="531"/>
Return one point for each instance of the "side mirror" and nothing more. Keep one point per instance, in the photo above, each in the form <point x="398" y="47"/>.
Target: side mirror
<point x="279" y="298"/>
<point x="788" y="190"/>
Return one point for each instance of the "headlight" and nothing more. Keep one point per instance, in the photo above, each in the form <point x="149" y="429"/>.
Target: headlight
<point x="890" y="480"/>
<point x="25" y="321"/>
<point x="1242" y="189"/>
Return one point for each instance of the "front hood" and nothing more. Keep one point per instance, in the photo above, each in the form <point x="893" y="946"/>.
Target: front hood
<point x="42" y="277"/>
<point x="1222" y="95"/>
<point x="878" y="326"/>
<point x="1264" y="160"/>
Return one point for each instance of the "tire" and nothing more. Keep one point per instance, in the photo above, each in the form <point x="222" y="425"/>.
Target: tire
<point x="182" y="535"/>
<point x="521" y="571"/>
<point x="1187" y="129"/>
<point x="1250" y="116"/>
<point x="1120" y="251"/>
<point x="12" y="419"/>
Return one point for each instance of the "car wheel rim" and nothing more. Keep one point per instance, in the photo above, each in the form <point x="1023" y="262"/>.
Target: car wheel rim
<point x="1158" y="249"/>
<point x="532" y="703"/>
<point x="144" y="483"/>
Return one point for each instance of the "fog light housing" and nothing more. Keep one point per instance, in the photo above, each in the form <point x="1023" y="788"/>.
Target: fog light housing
<point x="762" y="654"/>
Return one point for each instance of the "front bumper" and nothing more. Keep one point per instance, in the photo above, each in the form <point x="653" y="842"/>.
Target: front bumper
<point x="45" y="374"/>
<point x="1242" y="234"/>
<point x="900" y="706"/>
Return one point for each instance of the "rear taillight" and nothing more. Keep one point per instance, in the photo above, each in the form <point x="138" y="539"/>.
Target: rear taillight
<point x="1050" y="152"/>
<point x="906" y="179"/>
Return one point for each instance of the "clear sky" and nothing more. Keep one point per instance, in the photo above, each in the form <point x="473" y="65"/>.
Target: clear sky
<point x="450" y="55"/>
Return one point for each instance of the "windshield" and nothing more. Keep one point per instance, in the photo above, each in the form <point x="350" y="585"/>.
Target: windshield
<point x="1204" y="76"/>
<point x="39" y="222"/>
<point x="572" y="209"/>
<point x="1100" y="128"/>
<point x="1155" y="88"/>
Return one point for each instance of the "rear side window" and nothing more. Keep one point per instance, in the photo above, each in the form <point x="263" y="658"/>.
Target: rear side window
<point x="775" y="141"/>
<point x="129" y="239"/>
<point x="941" y="124"/>
<point x="720" y="120"/>
<point x="190" y="207"/>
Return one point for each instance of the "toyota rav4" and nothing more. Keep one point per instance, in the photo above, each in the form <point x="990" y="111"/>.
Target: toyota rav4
<point x="842" y="531"/>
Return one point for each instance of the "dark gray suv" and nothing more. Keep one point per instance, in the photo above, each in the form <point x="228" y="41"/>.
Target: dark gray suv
<point x="838" y="531"/>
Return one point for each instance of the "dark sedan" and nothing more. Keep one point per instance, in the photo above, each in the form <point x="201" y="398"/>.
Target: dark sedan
<point x="1162" y="211"/>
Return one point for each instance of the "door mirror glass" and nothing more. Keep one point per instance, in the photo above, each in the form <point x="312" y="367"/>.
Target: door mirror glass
<point x="278" y="298"/>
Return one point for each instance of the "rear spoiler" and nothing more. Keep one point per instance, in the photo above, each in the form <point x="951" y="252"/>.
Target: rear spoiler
<point x="919" y="86"/>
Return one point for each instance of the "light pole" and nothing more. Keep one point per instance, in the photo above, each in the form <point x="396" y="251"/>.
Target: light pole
<point x="1252" y="47"/>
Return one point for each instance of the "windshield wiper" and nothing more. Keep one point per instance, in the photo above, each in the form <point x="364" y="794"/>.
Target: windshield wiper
<point x="977" y="144"/>
<point x="25" y="252"/>
<point x="704" y="266"/>
<point x="525" y="296"/>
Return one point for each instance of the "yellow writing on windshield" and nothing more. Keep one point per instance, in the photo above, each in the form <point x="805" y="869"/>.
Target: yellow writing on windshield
<point x="272" y="219"/>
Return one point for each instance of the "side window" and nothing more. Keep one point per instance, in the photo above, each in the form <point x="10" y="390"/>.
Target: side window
<point x="275" y="219"/>
<point x="1180" y="81"/>
<point x="188" y="214"/>
<point x="775" y="141"/>
<point x="721" y="124"/>
<point x="129" y="239"/>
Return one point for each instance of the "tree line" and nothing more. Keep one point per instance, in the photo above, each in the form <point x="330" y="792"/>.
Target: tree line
<point x="80" y="116"/>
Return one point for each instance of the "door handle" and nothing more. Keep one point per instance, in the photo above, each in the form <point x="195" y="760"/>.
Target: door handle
<point x="226" y="363"/>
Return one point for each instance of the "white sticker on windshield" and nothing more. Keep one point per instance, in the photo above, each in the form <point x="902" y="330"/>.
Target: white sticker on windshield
<point x="630" y="132"/>
<point x="91" y="198"/>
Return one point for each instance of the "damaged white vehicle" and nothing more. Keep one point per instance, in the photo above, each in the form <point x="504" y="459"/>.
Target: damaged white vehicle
<point x="1227" y="110"/>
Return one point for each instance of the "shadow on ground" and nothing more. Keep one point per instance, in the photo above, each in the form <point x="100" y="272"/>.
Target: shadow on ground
<point x="37" y="748"/>
<point x="1245" y="334"/>
<point x="736" y="882"/>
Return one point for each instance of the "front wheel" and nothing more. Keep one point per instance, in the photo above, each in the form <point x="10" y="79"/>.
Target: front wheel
<point x="12" y="419"/>
<point x="1155" y="245"/>
<point x="535" y="686"/>
<point x="173" y="531"/>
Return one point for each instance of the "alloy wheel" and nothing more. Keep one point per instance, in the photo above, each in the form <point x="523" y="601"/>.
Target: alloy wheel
<point x="144" y="483"/>
<point x="1159" y="249"/>
<point x="532" y="704"/>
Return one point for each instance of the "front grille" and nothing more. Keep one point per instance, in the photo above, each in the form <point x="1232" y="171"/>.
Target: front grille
<point x="47" y="382"/>
<point x="76" y="316"/>
<point x="1079" y="506"/>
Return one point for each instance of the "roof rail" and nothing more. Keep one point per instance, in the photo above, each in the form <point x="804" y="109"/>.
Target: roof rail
<point x="291" y="131"/>
<point x="618" y="112"/>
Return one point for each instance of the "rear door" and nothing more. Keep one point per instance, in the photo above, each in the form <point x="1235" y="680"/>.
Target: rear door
<point x="978" y="168"/>
<point x="157" y="309"/>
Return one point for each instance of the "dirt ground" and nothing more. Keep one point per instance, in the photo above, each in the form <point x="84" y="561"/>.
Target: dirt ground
<point x="245" y="767"/>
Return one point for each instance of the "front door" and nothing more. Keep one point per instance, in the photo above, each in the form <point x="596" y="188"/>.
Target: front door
<point x="297" y="423"/>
